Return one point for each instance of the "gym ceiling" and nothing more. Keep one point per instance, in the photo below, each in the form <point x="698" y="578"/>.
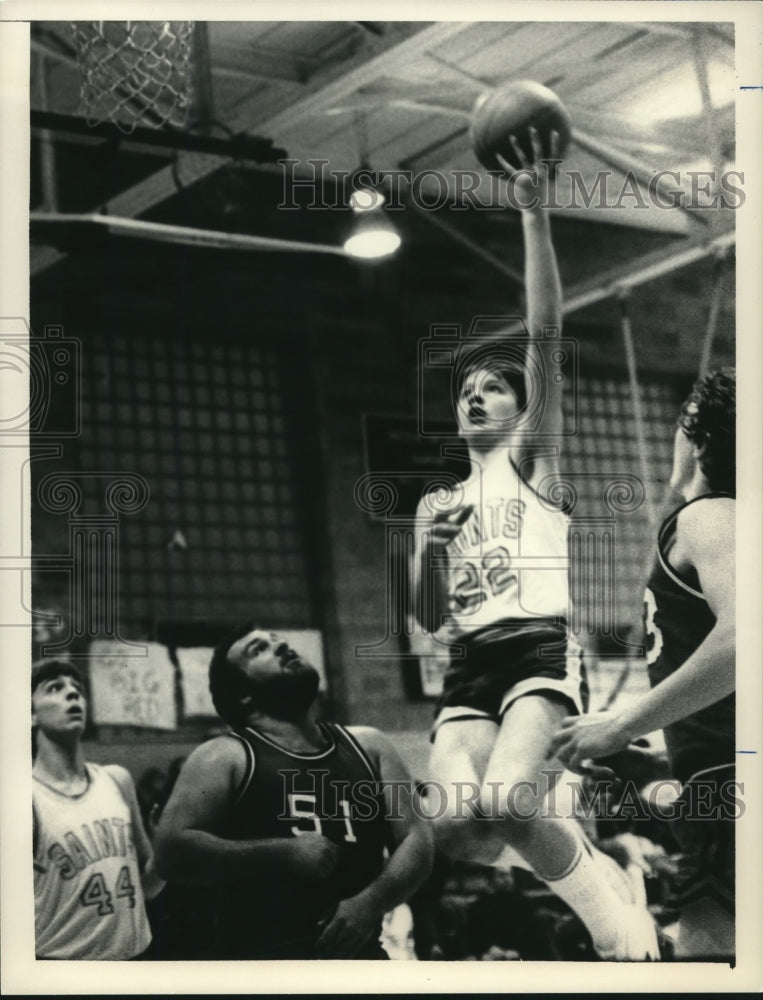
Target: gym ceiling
<point x="642" y="97"/>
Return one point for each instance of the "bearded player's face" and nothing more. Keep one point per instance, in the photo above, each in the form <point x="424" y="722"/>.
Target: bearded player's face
<point x="262" y="654"/>
<point x="282" y="683"/>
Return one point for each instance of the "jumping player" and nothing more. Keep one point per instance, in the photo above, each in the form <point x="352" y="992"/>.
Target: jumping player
<point x="689" y="619"/>
<point x="504" y="601"/>
<point x="287" y="816"/>
<point x="92" y="858"/>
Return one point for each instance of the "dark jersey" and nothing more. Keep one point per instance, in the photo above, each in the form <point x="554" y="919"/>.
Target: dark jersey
<point x="334" y="792"/>
<point x="677" y="619"/>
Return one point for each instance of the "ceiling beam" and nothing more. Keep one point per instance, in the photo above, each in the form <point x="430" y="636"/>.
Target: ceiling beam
<point x="155" y="141"/>
<point x="450" y="230"/>
<point x="684" y="30"/>
<point x="647" y="268"/>
<point x="672" y="28"/>
<point x="368" y="71"/>
<point x="630" y="166"/>
<point x="90" y="229"/>
<point x="713" y="134"/>
<point x="265" y="63"/>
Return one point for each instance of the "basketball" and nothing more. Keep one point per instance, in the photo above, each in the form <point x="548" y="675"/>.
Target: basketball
<point x="512" y="110"/>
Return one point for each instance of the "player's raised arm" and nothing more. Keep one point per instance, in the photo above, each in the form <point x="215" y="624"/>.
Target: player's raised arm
<point x="408" y="866"/>
<point x="543" y="288"/>
<point x="704" y="542"/>
<point x="190" y="847"/>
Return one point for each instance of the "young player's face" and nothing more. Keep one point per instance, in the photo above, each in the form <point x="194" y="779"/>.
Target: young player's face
<point x="486" y="404"/>
<point x="59" y="706"/>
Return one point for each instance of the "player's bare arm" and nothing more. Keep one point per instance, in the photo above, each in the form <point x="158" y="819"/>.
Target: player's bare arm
<point x="543" y="290"/>
<point x="356" y="918"/>
<point x="189" y="845"/>
<point x="152" y="881"/>
<point x="705" y="543"/>
<point x="433" y="534"/>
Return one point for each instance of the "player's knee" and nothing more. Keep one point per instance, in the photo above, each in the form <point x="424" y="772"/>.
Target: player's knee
<point x="511" y="801"/>
<point x="455" y="800"/>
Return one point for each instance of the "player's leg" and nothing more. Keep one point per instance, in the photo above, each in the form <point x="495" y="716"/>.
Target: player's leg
<point x="555" y="847"/>
<point x="460" y="754"/>
<point x="515" y="788"/>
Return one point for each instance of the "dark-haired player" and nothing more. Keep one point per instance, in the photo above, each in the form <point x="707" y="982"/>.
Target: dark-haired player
<point x="290" y="817"/>
<point x="689" y="619"/>
<point x="505" y="601"/>
<point x="92" y="858"/>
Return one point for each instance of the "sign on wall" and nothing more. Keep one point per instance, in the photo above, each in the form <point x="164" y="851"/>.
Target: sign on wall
<point x="194" y="676"/>
<point x="134" y="691"/>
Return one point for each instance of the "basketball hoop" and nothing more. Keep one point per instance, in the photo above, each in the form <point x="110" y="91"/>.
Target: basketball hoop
<point x="134" y="72"/>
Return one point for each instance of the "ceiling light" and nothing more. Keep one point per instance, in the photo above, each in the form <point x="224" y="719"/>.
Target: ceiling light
<point x="372" y="236"/>
<point x="366" y="200"/>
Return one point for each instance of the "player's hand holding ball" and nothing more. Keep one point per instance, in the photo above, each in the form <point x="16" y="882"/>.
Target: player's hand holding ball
<point x="533" y="184"/>
<point x="520" y="129"/>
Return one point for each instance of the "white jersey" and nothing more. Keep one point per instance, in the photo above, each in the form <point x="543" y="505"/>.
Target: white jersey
<point x="510" y="560"/>
<point x="88" y="895"/>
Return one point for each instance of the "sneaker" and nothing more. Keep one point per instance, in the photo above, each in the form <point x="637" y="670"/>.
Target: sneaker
<point x="638" y="938"/>
<point x="628" y="882"/>
<point x="624" y="882"/>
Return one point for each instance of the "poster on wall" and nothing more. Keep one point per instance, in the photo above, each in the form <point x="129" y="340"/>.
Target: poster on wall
<point x="132" y="692"/>
<point x="194" y="678"/>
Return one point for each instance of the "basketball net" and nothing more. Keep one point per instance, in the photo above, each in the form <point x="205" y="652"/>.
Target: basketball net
<point x="134" y="72"/>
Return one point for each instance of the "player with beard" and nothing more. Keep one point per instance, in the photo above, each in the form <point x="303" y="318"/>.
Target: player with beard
<point x="290" y="817"/>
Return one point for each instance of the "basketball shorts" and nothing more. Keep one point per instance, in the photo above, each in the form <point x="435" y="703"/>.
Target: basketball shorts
<point x="704" y="829"/>
<point x="505" y="662"/>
